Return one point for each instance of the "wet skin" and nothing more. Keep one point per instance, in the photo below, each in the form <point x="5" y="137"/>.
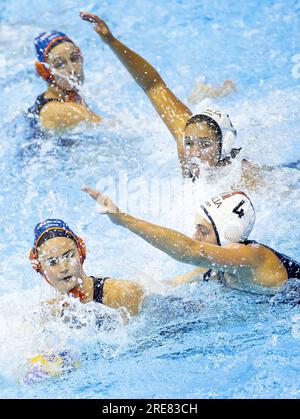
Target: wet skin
<point x="201" y="143"/>
<point x="60" y="261"/>
<point x="204" y="231"/>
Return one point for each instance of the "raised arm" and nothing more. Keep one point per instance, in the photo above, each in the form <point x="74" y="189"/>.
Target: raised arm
<point x="180" y="247"/>
<point x="172" y="111"/>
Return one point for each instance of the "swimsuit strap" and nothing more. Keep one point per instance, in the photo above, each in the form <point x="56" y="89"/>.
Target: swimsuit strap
<point x="40" y="102"/>
<point x="98" y="289"/>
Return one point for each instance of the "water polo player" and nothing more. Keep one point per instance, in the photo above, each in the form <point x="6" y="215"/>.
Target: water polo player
<point x="220" y="243"/>
<point x="207" y="137"/>
<point x="60" y="64"/>
<point x="58" y="255"/>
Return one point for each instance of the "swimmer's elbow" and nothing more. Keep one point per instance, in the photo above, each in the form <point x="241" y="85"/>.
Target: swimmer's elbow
<point x="153" y="85"/>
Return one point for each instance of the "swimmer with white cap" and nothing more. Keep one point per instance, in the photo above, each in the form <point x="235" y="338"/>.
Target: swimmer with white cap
<point x="172" y="111"/>
<point x="220" y="243"/>
<point x="207" y="137"/>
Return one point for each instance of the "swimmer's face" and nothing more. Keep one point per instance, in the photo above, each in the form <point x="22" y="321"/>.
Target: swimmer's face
<point x="60" y="260"/>
<point x="66" y="66"/>
<point x="201" y="143"/>
<point x="204" y="231"/>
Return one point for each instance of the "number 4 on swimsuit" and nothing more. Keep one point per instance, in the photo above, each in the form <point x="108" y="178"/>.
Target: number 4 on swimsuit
<point x="238" y="211"/>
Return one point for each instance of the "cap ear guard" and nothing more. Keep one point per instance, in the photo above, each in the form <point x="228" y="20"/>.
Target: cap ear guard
<point x="232" y="233"/>
<point x="43" y="71"/>
<point x="34" y="262"/>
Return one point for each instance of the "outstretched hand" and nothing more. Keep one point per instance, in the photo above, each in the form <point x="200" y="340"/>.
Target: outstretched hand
<point x="100" y="26"/>
<point x="108" y="206"/>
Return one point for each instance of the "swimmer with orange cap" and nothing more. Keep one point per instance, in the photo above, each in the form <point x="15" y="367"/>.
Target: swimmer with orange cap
<point x="60" y="64"/>
<point x="220" y="243"/>
<point x="58" y="255"/>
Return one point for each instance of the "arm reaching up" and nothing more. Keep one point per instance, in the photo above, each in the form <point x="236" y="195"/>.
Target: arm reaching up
<point x="172" y="111"/>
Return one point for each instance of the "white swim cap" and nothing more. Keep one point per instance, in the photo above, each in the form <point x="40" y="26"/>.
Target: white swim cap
<point x="232" y="216"/>
<point x="223" y="122"/>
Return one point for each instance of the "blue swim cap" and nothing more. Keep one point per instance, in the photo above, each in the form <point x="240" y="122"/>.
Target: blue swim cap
<point x="55" y="225"/>
<point x="47" y="40"/>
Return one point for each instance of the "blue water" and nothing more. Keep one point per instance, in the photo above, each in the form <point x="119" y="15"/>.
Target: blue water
<point x="199" y="340"/>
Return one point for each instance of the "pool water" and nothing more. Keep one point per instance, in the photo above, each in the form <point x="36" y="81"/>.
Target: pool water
<point x="200" y="339"/>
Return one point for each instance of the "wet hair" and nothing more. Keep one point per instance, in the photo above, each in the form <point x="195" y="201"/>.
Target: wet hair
<point x="211" y="123"/>
<point x="52" y="234"/>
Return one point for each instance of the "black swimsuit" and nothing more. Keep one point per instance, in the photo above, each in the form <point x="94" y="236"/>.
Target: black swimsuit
<point x="39" y="103"/>
<point x="291" y="266"/>
<point x="33" y="114"/>
<point x="98" y="289"/>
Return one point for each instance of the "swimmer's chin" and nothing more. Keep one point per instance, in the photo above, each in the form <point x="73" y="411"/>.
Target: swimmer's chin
<point x="69" y="282"/>
<point x="73" y="84"/>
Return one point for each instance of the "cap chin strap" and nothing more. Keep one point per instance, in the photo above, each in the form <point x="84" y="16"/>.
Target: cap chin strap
<point x="213" y="224"/>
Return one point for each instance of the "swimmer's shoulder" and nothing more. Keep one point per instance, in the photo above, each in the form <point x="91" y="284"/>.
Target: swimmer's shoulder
<point x="61" y="115"/>
<point x="57" y="115"/>
<point x="47" y="106"/>
<point x="270" y="271"/>
<point x="115" y="287"/>
<point x="260" y="251"/>
<point x="52" y="115"/>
